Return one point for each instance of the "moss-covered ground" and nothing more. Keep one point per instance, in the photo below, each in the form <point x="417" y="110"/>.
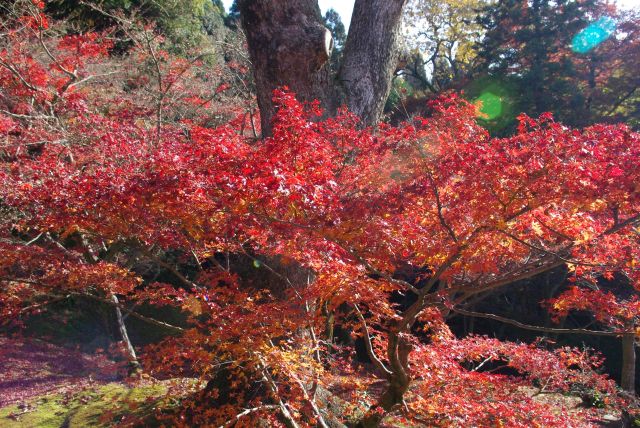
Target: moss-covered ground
<point x="99" y="406"/>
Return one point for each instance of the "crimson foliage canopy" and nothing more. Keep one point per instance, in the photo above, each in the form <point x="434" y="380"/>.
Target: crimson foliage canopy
<point x="98" y="183"/>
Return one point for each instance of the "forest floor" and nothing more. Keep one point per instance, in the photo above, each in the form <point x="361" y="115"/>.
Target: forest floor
<point x="48" y="386"/>
<point x="30" y="368"/>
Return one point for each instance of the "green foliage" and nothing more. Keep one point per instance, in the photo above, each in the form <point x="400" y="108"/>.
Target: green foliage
<point x="400" y="89"/>
<point x="333" y="22"/>
<point x="233" y="17"/>
<point x="184" y="23"/>
<point x="519" y="43"/>
<point x="533" y="46"/>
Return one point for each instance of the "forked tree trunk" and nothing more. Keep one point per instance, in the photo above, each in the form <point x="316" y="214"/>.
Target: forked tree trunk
<point x="398" y="381"/>
<point x="289" y="46"/>
<point x="628" y="375"/>
<point x="370" y="57"/>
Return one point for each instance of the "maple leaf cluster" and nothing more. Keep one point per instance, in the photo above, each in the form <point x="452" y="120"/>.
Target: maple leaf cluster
<point x="267" y="244"/>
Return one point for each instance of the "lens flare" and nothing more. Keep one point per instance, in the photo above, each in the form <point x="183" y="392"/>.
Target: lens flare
<point x="595" y="33"/>
<point x="495" y="101"/>
<point x="490" y="105"/>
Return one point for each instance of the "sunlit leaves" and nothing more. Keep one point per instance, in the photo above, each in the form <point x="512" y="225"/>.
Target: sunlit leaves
<point x="258" y="243"/>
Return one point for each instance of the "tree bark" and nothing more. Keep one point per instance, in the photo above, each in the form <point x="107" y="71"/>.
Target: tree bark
<point x="289" y="46"/>
<point x="628" y="376"/>
<point x="371" y="56"/>
<point x="398" y="381"/>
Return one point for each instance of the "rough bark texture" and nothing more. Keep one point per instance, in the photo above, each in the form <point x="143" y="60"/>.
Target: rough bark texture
<point x="289" y="46"/>
<point x="628" y="376"/>
<point x="370" y="56"/>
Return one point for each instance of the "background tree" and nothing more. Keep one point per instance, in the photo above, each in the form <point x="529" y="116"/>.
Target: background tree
<point x="184" y="23"/>
<point x="443" y="36"/>
<point x="612" y="94"/>
<point x="334" y="23"/>
<point x="529" y="48"/>
<point x="233" y="17"/>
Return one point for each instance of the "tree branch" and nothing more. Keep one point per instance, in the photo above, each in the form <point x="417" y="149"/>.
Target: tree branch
<point x="367" y="341"/>
<point x="536" y="328"/>
<point x="551" y="253"/>
<point x="290" y="422"/>
<point x="97" y="298"/>
<point x="246" y="412"/>
<point x="130" y="312"/>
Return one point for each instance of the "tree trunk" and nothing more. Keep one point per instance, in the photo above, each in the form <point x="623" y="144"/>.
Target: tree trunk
<point x="628" y="376"/>
<point x="370" y="56"/>
<point x="289" y="46"/>
<point x="134" y="365"/>
<point x="398" y="381"/>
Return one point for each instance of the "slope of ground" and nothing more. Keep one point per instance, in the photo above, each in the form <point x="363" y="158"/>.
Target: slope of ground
<point x="48" y="386"/>
<point x="31" y="368"/>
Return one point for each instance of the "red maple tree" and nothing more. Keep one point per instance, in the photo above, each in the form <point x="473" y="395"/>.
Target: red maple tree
<point x="99" y="183"/>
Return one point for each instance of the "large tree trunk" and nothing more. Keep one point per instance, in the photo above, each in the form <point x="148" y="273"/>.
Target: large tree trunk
<point x="289" y="46"/>
<point x="371" y="56"/>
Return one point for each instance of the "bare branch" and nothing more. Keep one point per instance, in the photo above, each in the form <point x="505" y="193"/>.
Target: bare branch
<point x="367" y="341"/>
<point x="375" y="271"/>
<point x="321" y="422"/>
<point x="266" y="377"/>
<point x="246" y="412"/>
<point x="536" y="328"/>
<point x="443" y="222"/>
<point x="552" y="253"/>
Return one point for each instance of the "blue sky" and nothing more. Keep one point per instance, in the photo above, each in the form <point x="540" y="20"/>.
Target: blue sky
<point x="343" y="7"/>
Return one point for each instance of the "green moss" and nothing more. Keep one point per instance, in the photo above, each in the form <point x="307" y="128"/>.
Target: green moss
<point x="96" y="407"/>
<point x="49" y="413"/>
